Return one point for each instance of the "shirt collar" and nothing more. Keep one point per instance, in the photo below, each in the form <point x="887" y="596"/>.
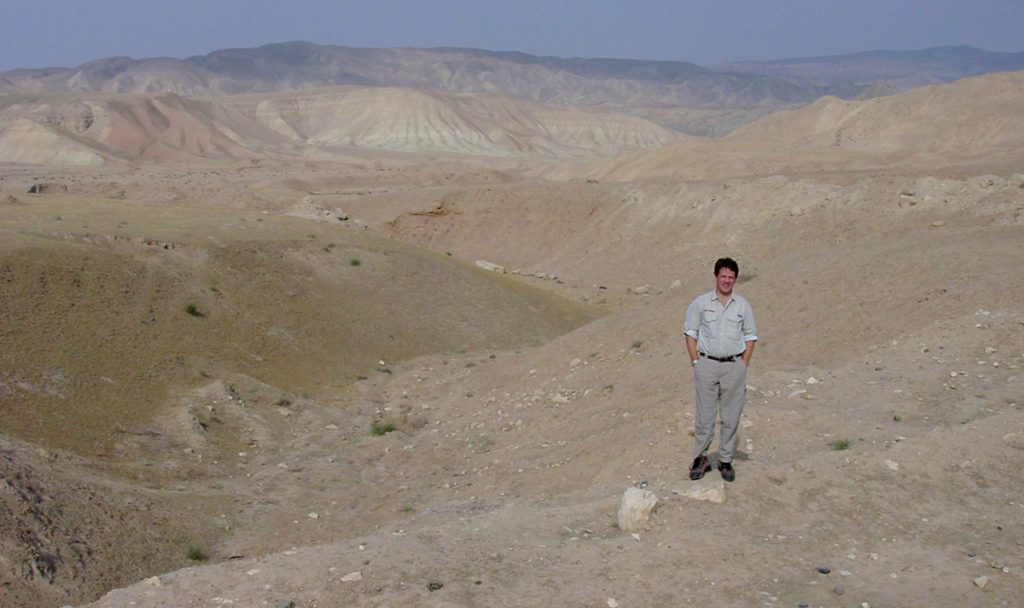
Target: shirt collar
<point x="714" y="298"/>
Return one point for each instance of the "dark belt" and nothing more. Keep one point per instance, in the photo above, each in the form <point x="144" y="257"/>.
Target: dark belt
<point x="729" y="359"/>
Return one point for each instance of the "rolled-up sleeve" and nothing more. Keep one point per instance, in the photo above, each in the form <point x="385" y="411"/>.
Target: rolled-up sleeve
<point x="749" y="327"/>
<point x="692" y="322"/>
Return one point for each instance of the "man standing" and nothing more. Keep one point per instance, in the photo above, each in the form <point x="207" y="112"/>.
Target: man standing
<point x="720" y="338"/>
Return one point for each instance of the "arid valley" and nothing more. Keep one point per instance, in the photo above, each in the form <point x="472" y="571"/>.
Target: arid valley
<point x="390" y="345"/>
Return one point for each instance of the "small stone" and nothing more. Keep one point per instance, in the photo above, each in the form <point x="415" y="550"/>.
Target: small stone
<point x="434" y="585"/>
<point x="839" y="590"/>
<point x="314" y="515"/>
<point x="824" y="570"/>
<point x="980" y="582"/>
<point x="1014" y="440"/>
<point x="972" y="554"/>
<point x="813" y="380"/>
<point x="154" y="581"/>
<point x="351" y="577"/>
<point x="612" y="603"/>
<point x="288" y="604"/>
<point x="893" y="465"/>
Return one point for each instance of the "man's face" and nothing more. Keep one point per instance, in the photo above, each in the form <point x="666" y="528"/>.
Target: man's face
<point x="724" y="281"/>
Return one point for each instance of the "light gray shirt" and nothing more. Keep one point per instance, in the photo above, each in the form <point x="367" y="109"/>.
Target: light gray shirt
<point x="720" y="331"/>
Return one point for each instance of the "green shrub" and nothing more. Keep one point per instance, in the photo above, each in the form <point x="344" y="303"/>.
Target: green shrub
<point x="841" y="444"/>
<point x="195" y="554"/>
<point x="380" y="427"/>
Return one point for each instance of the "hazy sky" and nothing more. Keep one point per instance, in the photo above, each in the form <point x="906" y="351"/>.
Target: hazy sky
<point x="42" y="33"/>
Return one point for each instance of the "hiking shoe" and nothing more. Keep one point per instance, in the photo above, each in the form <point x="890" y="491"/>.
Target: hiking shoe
<point x="699" y="467"/>
<point x="728" y="473"/>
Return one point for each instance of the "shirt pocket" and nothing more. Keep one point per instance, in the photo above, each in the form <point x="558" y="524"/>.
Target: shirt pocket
<point x="709" y="323"/>
<point x="734" y="325"/>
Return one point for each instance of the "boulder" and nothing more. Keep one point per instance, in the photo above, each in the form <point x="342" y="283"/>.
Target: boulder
<point x="636" y="508"/>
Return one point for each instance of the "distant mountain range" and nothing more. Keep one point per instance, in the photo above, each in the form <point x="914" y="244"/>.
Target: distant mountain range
<point x="678" y="95"/>
<point x="903" y="69"/>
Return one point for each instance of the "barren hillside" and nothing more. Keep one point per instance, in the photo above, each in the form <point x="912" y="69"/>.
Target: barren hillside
<point x="390" y="378"/>
<point x="934" y="128"/>
<point x="676" y="94"/>
<point x="318" y="125"/>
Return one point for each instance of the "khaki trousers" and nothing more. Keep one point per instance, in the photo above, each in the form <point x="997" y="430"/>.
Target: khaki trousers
<point x="721" y="389"/>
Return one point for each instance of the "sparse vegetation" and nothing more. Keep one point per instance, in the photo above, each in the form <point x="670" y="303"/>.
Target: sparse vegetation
<point x="193" y="310"/>
<point x="195" y="554"/>
<point x="380" y="427"/>
<point x="841" y="444"/>
<point x="354" y="262"/>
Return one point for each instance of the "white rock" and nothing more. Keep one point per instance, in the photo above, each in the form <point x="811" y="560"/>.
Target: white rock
<point x="314" y="515"/>
<point x="980" y="582"/>
<point x="352" y="577"/>
<point x="676" y="284"/>
<point x="635" y="509"/>
<point x="612" y="603"/>
<point x="813" y="380"/>
<point x="713" y="492"/>
<point x="490" y="266"/>
<point x="893" y="465"/>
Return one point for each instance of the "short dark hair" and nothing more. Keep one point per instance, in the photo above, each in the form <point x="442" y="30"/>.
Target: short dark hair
<point x="727" y="263"/>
